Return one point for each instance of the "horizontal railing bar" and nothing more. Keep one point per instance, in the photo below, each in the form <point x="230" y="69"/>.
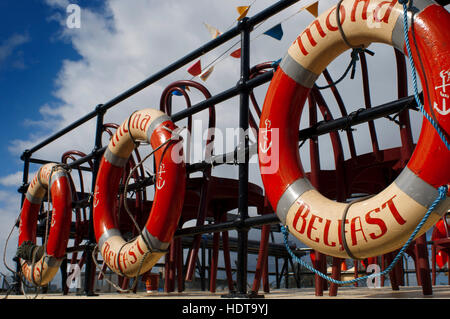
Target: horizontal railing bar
<point x="62" y="132"/>
<point x="359" y="117"/>
<point x="223" y="96"/>
<point x="320" y="129"/>
<point x="43" y="162"/>
<point x="228" y="225"/>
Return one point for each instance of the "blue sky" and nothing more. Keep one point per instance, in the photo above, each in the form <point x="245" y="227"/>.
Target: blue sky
<point x="32" y="59"/>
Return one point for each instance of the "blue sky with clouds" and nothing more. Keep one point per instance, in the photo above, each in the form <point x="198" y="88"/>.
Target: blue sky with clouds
<point x="30" y="57"/>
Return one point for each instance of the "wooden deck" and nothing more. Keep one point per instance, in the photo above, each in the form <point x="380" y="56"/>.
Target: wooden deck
<point x="411" y="292"/>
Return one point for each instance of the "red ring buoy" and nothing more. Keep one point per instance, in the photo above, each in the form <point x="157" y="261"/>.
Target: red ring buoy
<point x="43" y="269"/>
<point x="138" y="256"/>
<point x="384" y="222"/>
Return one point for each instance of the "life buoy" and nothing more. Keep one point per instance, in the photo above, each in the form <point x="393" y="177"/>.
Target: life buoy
<point x="384" y="222"/>
<point x="39" y="264"/>
<point x="139" y="255"/>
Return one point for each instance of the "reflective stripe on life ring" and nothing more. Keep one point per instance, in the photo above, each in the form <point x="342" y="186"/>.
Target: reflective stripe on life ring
<point x="56" y="179"/>
<point x="138" y="256"/>
<point x="384" y="222"/>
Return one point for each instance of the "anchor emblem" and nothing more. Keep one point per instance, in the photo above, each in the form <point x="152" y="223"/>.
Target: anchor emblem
<point x="445" y="75"/>
<point x="265" y="146"/>
<point x="96" y="200"/>
<point x="161" y="181"/>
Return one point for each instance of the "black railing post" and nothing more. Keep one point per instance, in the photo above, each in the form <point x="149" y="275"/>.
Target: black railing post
<point x="22" y="189"/>
<point x="90" y="266"/>
<point x="243" y="159"/>
<point x="26" y="170"/>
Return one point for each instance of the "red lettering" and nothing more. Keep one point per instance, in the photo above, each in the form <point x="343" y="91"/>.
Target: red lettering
<point x="385" y="18"/>
<point x="109" y="255"/>
<point x="106" y="251"/>
<point x="300" y="45"/>
<point x="355" y="7"/>
<point x="144" y="122"/>
<point x="124" y="260"/>
<point x="298" y="215"/>
<point x="325" y="234"/>
<point x="354" y="230"/>
<point x="376" y="221"/>
<point x="132" y="254"/>
<point x="311" y="227"/>
<point x="135" y="121"/>
<point x="394" y="211"/>
<point x="139" y="247"/>
<point x="341" y="15"/>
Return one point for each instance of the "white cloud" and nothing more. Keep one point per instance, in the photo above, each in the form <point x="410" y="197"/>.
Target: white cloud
<point x="11" y="180"/>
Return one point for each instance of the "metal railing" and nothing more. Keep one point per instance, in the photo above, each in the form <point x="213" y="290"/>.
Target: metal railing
<point x="242" y="89"/>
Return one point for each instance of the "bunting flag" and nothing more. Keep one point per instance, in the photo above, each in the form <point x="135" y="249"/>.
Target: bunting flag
<point x="313" y="8"/>
<point x="242" y="10"/>
<point x="213" y="31"/>
<point x="275" y="32"/>
<point x="195" y="69"/>
<point x="206" y="74"/>
<point x="178" y="93"/>
<point x="236" y="54"/>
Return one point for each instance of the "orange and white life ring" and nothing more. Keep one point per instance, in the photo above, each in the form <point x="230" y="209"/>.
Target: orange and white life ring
<point x="47" y="260"/>
<point x="384" y="222"/>
<point x="138" y="256"/>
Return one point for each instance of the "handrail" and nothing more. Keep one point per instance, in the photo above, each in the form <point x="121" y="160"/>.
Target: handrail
<point x="209" y="46"/>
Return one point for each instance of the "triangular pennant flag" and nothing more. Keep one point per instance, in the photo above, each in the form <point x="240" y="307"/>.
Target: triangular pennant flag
<point x="275" y="32"/>
<point x="207" y="73"/>
<point x="313" y="9"/>
<point x="242" y="10"/>
<point x="236" y="54"/>
<point x="195" y="69"/>
<point x="213" y="31"/>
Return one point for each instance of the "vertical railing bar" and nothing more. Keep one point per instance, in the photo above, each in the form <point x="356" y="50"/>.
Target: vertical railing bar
<point x="90" y="268"/>
<point x="243" y="161"/>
